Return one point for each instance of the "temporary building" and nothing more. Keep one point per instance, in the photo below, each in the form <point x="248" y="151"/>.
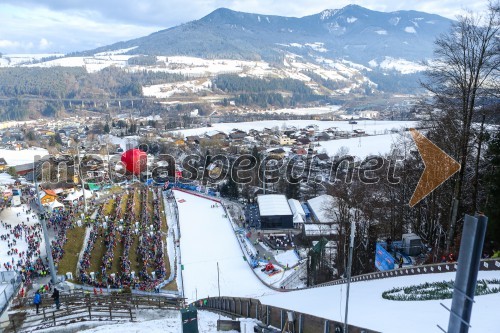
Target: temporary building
<point x="274" y="212"/>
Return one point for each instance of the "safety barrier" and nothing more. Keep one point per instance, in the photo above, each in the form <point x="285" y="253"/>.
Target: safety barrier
<point x="274" y="316"/>
<point x="486" y="265"/>
<point x="196" y="193"/>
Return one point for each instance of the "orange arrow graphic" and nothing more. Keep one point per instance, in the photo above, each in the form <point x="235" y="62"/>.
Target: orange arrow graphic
<point x="439" y="166"/>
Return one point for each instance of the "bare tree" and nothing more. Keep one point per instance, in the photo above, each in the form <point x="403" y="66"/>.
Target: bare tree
<point x="461" y="80"/>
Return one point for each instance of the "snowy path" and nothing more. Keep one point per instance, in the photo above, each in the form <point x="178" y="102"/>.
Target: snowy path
<point x="207" y="238"/>
<point x="368" y="309"/>
<point x="9" y="215"/>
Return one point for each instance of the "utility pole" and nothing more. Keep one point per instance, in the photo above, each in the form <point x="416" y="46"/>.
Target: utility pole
<point x="349" y="264"/>
<point x="218" y="282"/>
<point x="80" y="175"/>
<point x="264" y="175"/>
<point x="48" y="249"/>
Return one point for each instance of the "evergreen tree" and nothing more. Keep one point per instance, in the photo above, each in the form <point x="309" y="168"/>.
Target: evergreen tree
<point x="106" y="128"/>
<point x="229" y="189"/>
<point x="57" y="139"/>
<point x="30" y="135"/>
<point x="292" y="189"/>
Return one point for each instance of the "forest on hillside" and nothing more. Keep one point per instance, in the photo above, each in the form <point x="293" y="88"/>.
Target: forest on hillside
<point x="75" y="82"/>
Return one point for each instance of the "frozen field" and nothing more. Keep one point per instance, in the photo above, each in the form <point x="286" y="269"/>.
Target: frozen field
<point x="368" y="309"/>
<point x="207" y="238"/>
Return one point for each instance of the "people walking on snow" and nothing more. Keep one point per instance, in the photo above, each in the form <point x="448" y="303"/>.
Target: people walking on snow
<point x="37" y="300"/>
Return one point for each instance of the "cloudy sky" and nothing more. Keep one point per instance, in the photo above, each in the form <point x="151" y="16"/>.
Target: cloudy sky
<point x="46" y="26"/>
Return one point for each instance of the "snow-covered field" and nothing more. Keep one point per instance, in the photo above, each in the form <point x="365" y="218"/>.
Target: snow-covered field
<point x="17" y="59"/>
<point x="308" y="111"/>
<point x="287" y="258"/>
<point x="368" y="309"/>
<point x="369" y="126"/>
<point x="17" y="157"/>
<point x="207" y="238"/>
<point x="167" y="90"/>
<point x="401" y="65"/>
<point x="360" y="147"/>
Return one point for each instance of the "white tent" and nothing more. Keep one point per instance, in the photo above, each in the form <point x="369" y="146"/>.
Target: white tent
<point x="299" y="216"/>
<point x="78" y="194"/>
<point x="54" y="205"/>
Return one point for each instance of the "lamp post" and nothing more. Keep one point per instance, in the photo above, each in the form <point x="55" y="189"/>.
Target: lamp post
<point x="48" y="249"/>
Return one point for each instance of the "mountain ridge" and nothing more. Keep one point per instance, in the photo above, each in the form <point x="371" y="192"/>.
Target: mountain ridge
<point x="353" y="32"/>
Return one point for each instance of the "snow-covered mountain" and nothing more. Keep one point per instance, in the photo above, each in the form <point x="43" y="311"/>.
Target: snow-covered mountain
<point x="340" y="51"/>
<point x="353" y="33"/>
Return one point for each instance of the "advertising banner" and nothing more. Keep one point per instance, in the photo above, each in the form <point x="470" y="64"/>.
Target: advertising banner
<point x="383" y="260"/>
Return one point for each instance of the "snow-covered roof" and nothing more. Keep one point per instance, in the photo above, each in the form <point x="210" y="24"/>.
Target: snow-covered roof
<point x="214" y="132"/>
<point x="6" y="179"/>
<point x="299" y="216"/>
<point x="320" y="207"/>
<point x="273" y="204"/>
<point x="54" y="204"/>
<point x="77" y="194"/>
<point x="311" y="229"/>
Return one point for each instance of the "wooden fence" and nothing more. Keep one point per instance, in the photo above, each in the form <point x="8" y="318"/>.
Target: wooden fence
<point x="274" y="316"/>
<point x="81" y="306"/>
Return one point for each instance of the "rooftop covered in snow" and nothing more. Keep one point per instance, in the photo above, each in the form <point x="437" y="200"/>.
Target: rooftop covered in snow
<point x="321" y="207"/>
<point x="273" y="205"/>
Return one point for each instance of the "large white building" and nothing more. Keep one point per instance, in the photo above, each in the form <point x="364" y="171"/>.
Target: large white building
<point x="274" y="212"/>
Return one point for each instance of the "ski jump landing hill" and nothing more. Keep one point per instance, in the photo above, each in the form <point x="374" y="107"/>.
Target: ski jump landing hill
<point x="208" y="238"/>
